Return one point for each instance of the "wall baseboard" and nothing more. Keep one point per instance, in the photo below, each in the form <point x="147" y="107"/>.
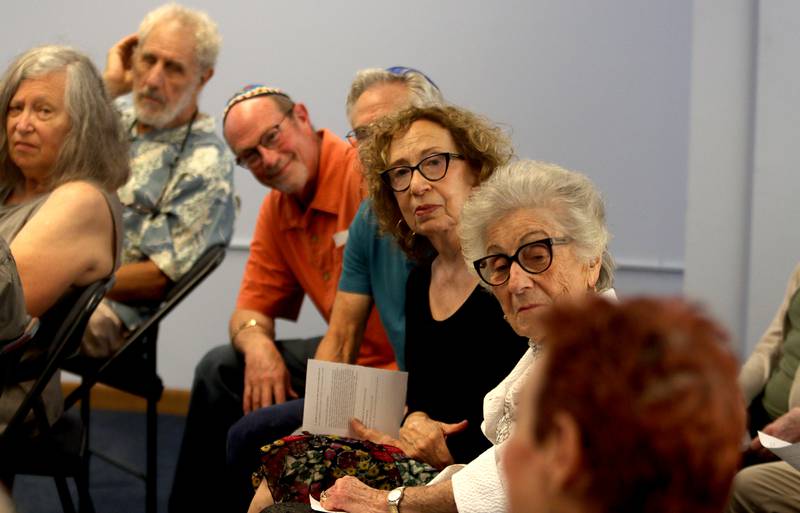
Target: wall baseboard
<point x="173" y="401"/>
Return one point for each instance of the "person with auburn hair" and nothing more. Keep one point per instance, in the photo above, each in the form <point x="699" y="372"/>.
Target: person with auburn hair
<point x="635" y="407"/>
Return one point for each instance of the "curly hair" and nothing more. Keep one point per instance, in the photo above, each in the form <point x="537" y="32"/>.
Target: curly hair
<point x="651" y="385"/>
<point x="483" y="144"/>
<point x="95" y="147"/>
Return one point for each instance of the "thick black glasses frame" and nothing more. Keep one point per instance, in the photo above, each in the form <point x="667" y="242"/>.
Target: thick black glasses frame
<point x="548" y="242"/>
<point x="387" y="178"/>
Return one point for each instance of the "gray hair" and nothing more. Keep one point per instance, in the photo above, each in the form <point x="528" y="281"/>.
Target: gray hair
<point x="94" y="149"/>
<point x="422" y="92"/>
<point x="573" y="200"/>
<point x="206" y="35"/>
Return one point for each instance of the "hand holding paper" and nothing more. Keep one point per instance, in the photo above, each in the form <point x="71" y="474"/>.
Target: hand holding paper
<point x="790" y="453"/>
<point x="338" y="392"/>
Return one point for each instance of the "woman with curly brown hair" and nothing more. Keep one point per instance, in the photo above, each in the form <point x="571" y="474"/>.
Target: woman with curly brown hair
<point x="420" y="165"/>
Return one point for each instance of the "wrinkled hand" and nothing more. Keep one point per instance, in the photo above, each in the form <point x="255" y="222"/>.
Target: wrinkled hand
<point x="118" y="75"/>
<point x="351" y="495"/>
<point x="422" y="439"/>
<point x="786" y="427"/>
<point x="429" y="438"/>
<point x="266" y="378"/>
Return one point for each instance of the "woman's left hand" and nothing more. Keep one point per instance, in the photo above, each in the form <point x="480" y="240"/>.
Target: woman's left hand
<point x="350" y="494"/>
<point x="421" y="438"/>
<point x="428" y="439"/>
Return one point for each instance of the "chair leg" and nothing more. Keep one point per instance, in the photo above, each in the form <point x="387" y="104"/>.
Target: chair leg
<point x="64" y="495"/>
<point x="151" y="482"/>
<point x="85" y="504"/>
<point x="152" y="455"/>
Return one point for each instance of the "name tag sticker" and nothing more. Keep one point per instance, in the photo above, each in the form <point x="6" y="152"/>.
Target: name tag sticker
<point x="340" y="238"/>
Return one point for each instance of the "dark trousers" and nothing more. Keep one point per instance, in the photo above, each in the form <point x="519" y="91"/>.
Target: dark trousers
<point x="253" y="431"/>
<point x="202" y="482"/>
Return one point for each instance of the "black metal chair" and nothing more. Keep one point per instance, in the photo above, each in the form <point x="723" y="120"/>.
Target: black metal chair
<point x="133" y="369"/>
<point x="36" y="447"/>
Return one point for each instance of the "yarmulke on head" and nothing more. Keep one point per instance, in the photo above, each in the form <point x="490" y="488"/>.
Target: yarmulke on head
<point x="251" y="91"/>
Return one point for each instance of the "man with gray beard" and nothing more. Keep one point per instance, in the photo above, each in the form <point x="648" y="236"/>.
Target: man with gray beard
<point x="179" y="200"/>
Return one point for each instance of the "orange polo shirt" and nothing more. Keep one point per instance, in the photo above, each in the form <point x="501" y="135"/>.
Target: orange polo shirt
<point x="293" y="252"/>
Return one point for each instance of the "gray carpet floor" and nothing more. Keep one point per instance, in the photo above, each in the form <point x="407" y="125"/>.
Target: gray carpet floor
<point x="122" y="436"/>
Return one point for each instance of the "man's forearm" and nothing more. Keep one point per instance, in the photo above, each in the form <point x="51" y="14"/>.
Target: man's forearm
<point x="248" y="327"/>
<point x="139" y="282"/>
<point x="349" y="316"/>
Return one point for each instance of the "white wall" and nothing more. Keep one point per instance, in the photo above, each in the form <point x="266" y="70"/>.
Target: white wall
<point x="601" y="87"/>
<point x="741" y="236"/>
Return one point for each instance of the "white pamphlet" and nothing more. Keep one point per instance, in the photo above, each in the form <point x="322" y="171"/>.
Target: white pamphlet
<point x="338" y="392"/>
<point x="788" y="452"/>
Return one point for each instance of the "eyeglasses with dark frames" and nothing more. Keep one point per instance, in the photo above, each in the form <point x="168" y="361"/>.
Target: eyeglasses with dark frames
<point x="433" y="168"/>
<point x="251" y="158"/>
<point x="534" y="257"/>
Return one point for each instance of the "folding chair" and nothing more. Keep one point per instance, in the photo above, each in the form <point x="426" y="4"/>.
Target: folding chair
<point x="41" y="449"/>
<point x="132" y="369"/>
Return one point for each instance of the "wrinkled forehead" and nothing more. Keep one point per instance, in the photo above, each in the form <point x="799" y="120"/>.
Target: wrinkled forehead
<point x="51" y="86"/>
<point x="172" y="40"/>
<point x="377" y="101"/>
<point x="421" y="137"/>
<point x="247" y="120"/>
<point x="520" y="226"/>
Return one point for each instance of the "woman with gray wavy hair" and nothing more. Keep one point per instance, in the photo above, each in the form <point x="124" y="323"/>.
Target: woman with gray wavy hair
<point x="62" y="157"/>
<point x="535" y="235"/>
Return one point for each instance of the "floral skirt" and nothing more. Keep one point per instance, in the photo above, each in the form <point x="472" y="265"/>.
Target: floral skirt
<point x="298" y="465"/>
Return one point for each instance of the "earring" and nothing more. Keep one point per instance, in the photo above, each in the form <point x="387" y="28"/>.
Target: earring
<point x="412" y="233"/>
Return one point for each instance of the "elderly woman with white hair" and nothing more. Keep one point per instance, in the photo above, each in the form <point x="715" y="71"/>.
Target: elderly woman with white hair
<point x="62" y="156"/>
<point x="536" y="235"/>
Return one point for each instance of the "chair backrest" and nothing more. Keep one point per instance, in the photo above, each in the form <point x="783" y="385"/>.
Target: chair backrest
<point x="92" y="373"/>
<point x="209" y="261"/>
<point x="60" y="336"/>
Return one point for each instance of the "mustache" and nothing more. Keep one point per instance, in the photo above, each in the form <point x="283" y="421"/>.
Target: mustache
<point x="151" y="95"/>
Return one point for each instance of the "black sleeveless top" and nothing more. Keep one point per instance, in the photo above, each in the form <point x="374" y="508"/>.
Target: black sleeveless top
<point x="453" y="363"/>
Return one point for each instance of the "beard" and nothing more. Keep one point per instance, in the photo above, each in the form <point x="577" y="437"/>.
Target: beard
<point x="160" y="117"/>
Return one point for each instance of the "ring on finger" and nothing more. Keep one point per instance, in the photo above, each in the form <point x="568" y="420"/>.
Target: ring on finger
<point x="323" y="496"/>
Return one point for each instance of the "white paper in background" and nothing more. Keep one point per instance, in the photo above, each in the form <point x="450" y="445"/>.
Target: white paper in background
<point x="788" y="452"/>
<point x="338" y="392"/>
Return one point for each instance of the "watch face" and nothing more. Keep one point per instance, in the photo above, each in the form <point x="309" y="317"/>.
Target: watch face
<point x="395" y="495"/>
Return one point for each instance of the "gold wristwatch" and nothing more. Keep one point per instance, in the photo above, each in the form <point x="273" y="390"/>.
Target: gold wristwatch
<point x="394" y="498"/>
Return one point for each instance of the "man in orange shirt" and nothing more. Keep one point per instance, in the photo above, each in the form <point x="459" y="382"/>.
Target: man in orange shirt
<point x="297" y="249"/>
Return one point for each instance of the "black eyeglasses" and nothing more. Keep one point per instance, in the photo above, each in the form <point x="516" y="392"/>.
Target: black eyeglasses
<point x="432" y="168"/>
<point x="357" y="135"/>
<point x="251" y="158"/>
<point x="534" y="257"/>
